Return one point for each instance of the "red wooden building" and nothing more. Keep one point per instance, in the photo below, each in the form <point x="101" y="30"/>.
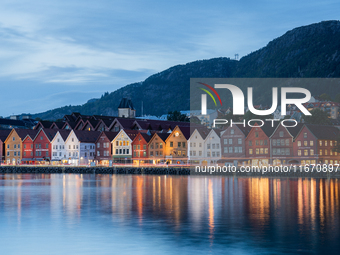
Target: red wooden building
<point x="27" y="147"/>
<point x="140" y="151"/>
<point x="42" y="144"/>
<point x="103" y="153"/>
<point x="258" y="144"/>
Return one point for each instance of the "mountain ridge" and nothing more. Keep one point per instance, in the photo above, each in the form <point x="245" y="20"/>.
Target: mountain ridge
<point x="307" y="51"/>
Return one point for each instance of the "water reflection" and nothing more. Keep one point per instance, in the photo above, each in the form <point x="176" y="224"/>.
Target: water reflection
<point x="249" y="215"/>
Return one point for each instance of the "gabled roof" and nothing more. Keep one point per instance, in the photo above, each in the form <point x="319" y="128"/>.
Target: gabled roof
<point x="4" y="133"/>
<point x="44" y="124"/>
<point x="31" y="133"/>
<point x="126" y="103"/>
<point x="58" y="125"/>
<point x="268" y="128"/>
<point x="185" y="131"/>
<point x="110" y="135"/>
<point x="71" y="124"/>
<point x="50" y="133"/>
<point x="64" y="133"/>
<point x="323" y="132"/>
<point x="163" y="136"/>
<point x="244" y="129"/>
<point x="14" y="123"/>
<point x="294" y="131"/>
<point x="87" y="136"/>
<point x="22" y="133"/>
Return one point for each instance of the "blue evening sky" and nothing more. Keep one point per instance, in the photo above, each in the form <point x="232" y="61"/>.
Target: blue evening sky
<point x="56" y="53"/>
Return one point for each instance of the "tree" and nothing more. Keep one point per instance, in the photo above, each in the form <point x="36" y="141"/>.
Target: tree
<point x="318" y="117"/>
<point x="337" y="98"/>
<point x="326" y="97"/>
<point x="177" y="116"/>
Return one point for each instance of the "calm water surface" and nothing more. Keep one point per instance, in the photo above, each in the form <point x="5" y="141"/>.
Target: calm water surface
<point x="128" y="214"/>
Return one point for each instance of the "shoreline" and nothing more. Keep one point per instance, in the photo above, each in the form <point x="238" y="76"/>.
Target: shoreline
<point x="154" y="171"/>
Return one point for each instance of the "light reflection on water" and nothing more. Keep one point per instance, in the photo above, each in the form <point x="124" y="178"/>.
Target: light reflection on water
<point x="131" y="214"/>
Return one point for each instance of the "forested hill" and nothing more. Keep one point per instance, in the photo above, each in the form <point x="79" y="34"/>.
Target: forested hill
<point x="308" y="51"/>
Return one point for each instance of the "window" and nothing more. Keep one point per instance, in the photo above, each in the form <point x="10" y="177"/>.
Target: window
<point x="183" y="144"/>
<point x="200" y="153"/>
<point x="305" y="152"/>
<point x="281" y="133"/>
<point x="261" y="150"/>
<point x="208" y="146"/>
<point x="15" y="153"/>
<point x="160" y="146"/>
<point x="13" y="138"/>
<point x="257" y="151"/>
<point x="232" y="131"/>
<point x="320" y="152"/>
<point x="250" y="143"/>
<point x="230" y="149"/>
<point x="151" y="153"/>
<point x="208" y="154"/>
<point x="274" y="142"/>
<point x="287" y="142"/>
<point x="299" y="143"/>
<point x="18" y="146"/>
<point x="151" y="146"/>
<point x="230" y="141"/>
<point x="134" y="154"/>
<point x="250" y="151"/>
<point x="117" y="151"/>
<point x="98" y="145"/>
<point x="15" y="146"/>
<point x="127" y="151"/>
<point x="311" y="152"/>
<point x="256" y="134"/>
<point x="261" y="142"/>
<point x="320" y="143"/>
<point x="326" y="152"/>
<point x="24" y="153"/>
<point x="331" y="143"/>
<point x="278" y="142"/>
<point x="144" y="153"/>
<point x="98" y="153"/>
<point x="225" y="141"/>
<point x="138" y="147"/>
<point x="239" y="140"/>
<point x="266" y="150"/>
<point x="236" y="149"/>
<point x="287" y="150"/>
<point x="311" y="143"/>
<point x="213" y="146"/>
<point x="299" y="152"/>
<point x="304" y="135"/>
<point x="325" y="143"/>
<point x="225" y="149"/>
<point x="123" y="151"/>
<point x="41" y="137"/>
<point x="171" y="144"/>
<point x="305" y="143"/>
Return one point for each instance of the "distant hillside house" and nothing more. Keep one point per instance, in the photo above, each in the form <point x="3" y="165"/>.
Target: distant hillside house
<point x="126" y="109"/>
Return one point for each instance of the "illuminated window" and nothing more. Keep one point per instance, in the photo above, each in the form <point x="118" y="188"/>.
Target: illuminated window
<point x="305" y="152"/>
<point x="250" y="151"/>
<point x="305" y="143"/>
<point x="299" y="152"/>
<point x="304" y="135"/>
<point x="299" y="143"/>
<point x="311" y="152"/>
